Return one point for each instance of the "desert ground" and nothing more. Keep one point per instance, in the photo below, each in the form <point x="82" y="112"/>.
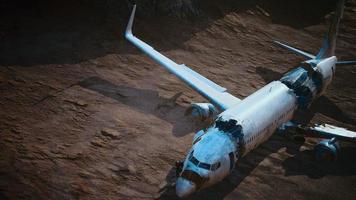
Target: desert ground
<point x="85" y="115"/>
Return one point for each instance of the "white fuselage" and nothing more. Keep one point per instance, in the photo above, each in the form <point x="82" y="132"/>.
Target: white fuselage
<point x="261" y="113"/>
<point x="258" y="116"/>
<point x="252" y="121"/>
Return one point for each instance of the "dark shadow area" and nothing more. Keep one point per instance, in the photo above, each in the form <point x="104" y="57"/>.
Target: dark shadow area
<point x="38" y="32"/>
<point x="149" y="102"/>
<point x="326" y="107"/>
<point x="269" y="75"/>
<point x="243" y="169"/>
<point x="321" y="105"/>
<point x="301" y="163"/>
<point x="304" y="164"/>
<point x="56" y="32"/>
<point x="298" y="14"/>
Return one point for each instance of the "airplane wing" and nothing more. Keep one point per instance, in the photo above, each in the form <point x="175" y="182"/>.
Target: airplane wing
<point x="216" y="94"/>
<point x="328" y="131"/>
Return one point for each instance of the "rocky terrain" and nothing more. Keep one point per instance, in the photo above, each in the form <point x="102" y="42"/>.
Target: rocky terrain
<point x="85" y="115"/>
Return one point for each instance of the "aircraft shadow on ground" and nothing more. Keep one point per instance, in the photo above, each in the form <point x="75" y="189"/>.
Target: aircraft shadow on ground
<point x="300" y="163"/>
<point x="304" y="164"/>
<point x="242" y="169"/>
<point x="149" y="102"/>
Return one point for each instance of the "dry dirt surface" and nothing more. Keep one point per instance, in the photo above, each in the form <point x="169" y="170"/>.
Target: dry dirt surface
<point x="85" y="115"/>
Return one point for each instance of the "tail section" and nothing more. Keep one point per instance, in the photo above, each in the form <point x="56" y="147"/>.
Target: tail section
<point x="329" y="44"/>
<point x="328" y="47"/>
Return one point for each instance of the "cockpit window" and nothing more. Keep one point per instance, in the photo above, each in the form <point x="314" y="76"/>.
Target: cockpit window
<point x="203" y="165"/>
<point x="194" y="160"/>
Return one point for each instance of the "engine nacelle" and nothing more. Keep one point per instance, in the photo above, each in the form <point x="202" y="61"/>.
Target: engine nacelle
<point x="202" y="111"/>
<point x="327" y="150"/>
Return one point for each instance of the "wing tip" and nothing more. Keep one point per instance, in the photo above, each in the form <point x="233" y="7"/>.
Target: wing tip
<point x="128" y="31"/>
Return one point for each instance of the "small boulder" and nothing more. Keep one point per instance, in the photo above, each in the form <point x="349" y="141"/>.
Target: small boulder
<point x="109" y="132"/>
<point x="97" y="142"/>
<point x="132" y="169"/>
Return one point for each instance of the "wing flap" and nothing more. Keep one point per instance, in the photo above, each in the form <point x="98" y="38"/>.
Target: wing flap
<point x="203" y="79"/>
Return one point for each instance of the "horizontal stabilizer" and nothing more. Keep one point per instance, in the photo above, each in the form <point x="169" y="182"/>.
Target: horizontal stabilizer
<point x="346" y="62"/>
<point x="295" y="50"/>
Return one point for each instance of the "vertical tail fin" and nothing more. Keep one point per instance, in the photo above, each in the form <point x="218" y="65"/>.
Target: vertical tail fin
<point x="328" y="48"/>
<point x="329" y="43"/>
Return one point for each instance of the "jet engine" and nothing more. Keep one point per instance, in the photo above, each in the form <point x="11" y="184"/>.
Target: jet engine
<point x="327" y="150"/>
<point x="202" y="111"/>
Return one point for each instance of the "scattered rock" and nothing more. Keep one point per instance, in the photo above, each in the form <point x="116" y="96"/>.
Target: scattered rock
<point x="163" y="185"/>
<point x="151" y="180"/>
<point x="84" y="174"/>
<point x="250" y="12"/>
<point x="66" y="144"/>
<point x="262" y="11"/>
<point x="97" y="142"/>
<point x="9" y="140"/>
<point x="132" y="169"/>
<point x="77" y="102"/>
<point x="226" y="49"/>
<point x="114" y="168"/>
<point x="81" y="103"/>
<point x="109" y="132"/>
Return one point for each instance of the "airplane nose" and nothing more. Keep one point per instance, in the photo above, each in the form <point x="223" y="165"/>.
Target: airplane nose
<point x="184" y="187"/>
